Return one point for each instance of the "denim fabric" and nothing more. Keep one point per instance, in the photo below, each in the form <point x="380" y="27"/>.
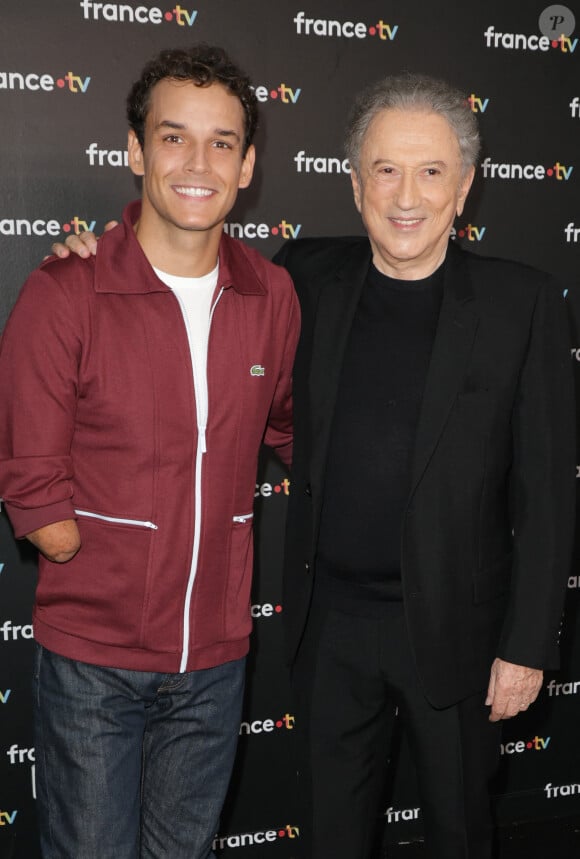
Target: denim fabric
<point x="132" y="764"/>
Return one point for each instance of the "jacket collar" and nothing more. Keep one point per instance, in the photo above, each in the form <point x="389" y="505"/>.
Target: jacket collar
<point x="455" y="334"/>
<point x="353" y="267"/>
<point x="340" y="288"/>
<point x="350" y="266"/>
<point x="122" y="267"/>
<point x="450" y="357"/>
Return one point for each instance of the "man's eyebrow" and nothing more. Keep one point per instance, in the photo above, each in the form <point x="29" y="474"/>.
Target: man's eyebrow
<point x="180" y="126"/>
<point x="168" y="123"/>
<point x="227" y="132"/>
<point x="433" y="163"/>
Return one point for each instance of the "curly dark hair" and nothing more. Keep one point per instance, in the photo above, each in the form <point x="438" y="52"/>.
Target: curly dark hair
<point x="203" y="65"/>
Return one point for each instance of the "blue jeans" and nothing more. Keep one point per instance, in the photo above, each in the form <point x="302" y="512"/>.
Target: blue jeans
<point x="132" y="764"/>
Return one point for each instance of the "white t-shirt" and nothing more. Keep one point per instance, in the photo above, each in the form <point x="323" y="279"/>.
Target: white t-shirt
<point x="195" y="298"/>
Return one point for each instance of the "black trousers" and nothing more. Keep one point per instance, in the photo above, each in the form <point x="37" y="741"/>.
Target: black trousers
<point x="351" y="673"/>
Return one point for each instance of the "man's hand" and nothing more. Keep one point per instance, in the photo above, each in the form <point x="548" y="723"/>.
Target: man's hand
<point x="84" y="245"/>
<point x="59" y="541"/>
<point x="512" y="688"/>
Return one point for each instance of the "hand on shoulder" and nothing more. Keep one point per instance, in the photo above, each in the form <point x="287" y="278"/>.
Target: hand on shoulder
<point x="83" y="245"/>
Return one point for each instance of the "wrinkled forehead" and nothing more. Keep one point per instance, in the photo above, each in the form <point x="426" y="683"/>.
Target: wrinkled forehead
<point x="409" y="131"/>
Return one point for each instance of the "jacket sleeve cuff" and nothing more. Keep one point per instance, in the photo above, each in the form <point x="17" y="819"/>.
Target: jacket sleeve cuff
<point x="26" y="520"/>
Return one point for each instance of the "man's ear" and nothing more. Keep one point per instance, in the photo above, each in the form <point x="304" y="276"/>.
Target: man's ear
<point x="464" y="189"/>
<point x="135" y="154"/>
<point x="356" y="187"/>
<point x="247" y="170"/>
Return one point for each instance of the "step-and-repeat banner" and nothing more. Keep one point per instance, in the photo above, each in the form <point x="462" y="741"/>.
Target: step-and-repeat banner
<point x="65" y="69"/>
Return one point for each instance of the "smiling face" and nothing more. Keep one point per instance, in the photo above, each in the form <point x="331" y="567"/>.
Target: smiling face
<point x="409" y="188"/>
<point x="191" y="161"/>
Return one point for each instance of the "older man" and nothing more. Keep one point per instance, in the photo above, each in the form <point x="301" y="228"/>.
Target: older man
<point x="431" y="511"/>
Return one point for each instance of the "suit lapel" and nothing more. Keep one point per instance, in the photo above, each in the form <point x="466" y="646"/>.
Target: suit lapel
<point x="454" y="339"/>
<point x="337" y="303"/>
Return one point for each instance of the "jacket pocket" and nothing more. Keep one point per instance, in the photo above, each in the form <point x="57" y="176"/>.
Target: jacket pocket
<point x="116" y="520"/>
<point x="241" y="520"/>
<point x="237" y="609"/>
<point x="492" y="581"/>
<point x="100" y="594"/>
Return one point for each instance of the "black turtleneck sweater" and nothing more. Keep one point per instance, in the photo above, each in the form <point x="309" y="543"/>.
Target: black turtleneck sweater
<point x="374" y="425"/>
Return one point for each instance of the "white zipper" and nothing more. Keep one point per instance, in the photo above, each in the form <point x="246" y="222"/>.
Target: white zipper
<point x="243" y="519"/>
<point x="116" y="520"/>
<point x="201" y="449"/>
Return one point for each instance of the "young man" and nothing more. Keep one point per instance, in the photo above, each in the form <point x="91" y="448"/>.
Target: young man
<point x="136" y="389"/>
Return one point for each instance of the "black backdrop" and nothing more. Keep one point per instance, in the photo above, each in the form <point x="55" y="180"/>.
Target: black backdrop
<point x="65" y="68"/>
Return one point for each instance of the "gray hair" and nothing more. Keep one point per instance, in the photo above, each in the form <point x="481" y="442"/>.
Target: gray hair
<point x="414" y="92"/>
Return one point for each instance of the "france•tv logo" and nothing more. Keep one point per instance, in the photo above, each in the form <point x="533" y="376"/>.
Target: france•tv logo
<point x="477" y="104"/>
<point x="328" y="28"/>
<point x="7" y="818"/>
<point x="77" y="225"/>
<point x="497" y="170"/>
<point x="556" y="25"/>
<point x="284" y="229"/>
<point x="41" y="227"/>
<point x="12" y="632"/>
<point x="265" y="609"/>
<point x="282" y="93"/>
<point x="267" y="726"/>
<point x="47" y="83"/>
<point x="250" y="839"/>
<point x="572" y="232"/>
<point x="122" y="13"/>
<point x="469" y="232"/>
<point x="521" y="42"/>
<point x="516" y="747"/>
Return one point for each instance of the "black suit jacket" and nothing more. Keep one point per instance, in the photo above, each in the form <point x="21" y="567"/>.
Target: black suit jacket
<point x="487" y="531"/>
